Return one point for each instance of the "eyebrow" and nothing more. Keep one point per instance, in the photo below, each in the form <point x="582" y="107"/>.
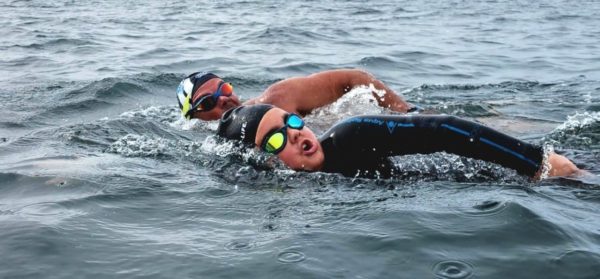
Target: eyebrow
<point x="279" y="127"/>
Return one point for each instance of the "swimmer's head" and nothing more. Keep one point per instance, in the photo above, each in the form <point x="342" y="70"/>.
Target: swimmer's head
<point x="241" y="123"/>
<point x="205" y="96"/>
<point x="297" y="146"/>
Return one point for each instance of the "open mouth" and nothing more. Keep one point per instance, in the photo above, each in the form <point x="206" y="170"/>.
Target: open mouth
<point x="308" y="147"/>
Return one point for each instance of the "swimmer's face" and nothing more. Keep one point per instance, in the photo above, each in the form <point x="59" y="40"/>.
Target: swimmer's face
<point x="224" y="102"/>
<point x="302" y="151"/>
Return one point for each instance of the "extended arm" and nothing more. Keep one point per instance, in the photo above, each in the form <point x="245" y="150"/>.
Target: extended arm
<point x="304" y="94"/>
<point x="392" y="135"/>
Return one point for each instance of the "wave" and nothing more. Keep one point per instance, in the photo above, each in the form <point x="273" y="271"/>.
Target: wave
<point x="194" y="65"/>
<point x="101" y="135"/>
<point x="133" y="145"/>
<point x="382" y="61"/>
<point x="581" y="130"/>
<point x="296" y="68"/>
<point x="514" y="85"/>
<point x="510" y="97"/>
<point x="366" y="11"/>
<point x="75" y="101"/>
<point x="62" y="42"/>
<point x="116" y="87"/>
<point x="466" y="109"/>
<point x="286" y="35"/>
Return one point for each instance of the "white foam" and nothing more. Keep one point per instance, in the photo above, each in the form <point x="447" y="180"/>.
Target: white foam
<point x="357" y="101"/>
<point x="151" y="112"/>
<point x="578" y="121"/>
<point x="194" y="124"/>
<point x="219" y="148"/>
<point x="139" y="146"/>
<point x="546" y="166"/>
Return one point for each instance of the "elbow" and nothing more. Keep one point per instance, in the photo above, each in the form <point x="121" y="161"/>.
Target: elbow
<point x="363" y="75"/>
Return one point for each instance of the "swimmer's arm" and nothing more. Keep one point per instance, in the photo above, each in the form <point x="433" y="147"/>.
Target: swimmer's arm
<point x="561" y="166"/>
<point x="394" y="135"/>
<point x="304" y="94"/>
<point x="385" y="96"/>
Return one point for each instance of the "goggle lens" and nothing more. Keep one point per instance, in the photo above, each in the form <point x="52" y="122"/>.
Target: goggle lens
<point x="294" y="121"/>
<point x="275" y="142"/>
<point x="226" y="89"/>
<point x="209" y="101"/>
<point x="206" y="103"/>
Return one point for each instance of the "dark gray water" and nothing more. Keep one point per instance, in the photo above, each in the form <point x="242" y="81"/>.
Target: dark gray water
<point x="100" y="177"/>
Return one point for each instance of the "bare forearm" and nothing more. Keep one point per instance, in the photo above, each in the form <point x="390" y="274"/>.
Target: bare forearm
<point x="303" y="94"/>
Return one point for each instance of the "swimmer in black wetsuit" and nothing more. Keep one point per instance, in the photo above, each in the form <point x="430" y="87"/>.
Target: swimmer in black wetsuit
<point x="362" y="145"/>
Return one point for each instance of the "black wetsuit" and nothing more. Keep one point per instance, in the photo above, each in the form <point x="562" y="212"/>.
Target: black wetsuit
<point x="362" y="145"/>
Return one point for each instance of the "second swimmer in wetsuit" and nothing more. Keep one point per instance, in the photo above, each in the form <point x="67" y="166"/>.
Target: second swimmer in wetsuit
<point x="362" y="145"/>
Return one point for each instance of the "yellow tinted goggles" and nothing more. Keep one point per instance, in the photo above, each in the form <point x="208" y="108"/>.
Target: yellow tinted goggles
<point x="274" y="142"/>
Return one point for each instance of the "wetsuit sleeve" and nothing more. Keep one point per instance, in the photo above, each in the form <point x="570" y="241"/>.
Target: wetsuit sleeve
<point x="392" y="135"/>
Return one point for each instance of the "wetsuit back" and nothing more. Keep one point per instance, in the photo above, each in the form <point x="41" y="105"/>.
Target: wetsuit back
<point x="362" y="145"/>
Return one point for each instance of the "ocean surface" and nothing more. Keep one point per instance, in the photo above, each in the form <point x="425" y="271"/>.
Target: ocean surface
<point x="100" y="177"/>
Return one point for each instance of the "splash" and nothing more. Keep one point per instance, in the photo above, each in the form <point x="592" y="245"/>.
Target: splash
<point x="445" y="166"/>
<point x="171" y="116"/>
<point x="164" y="114"/>
<point x="581" y="130"/>
<point x="357" y="101"/>
<point x="579" y="121"/>
<point x="212" y="145"/>
<point x="132" y="145"/>
<point x="139" y="146"/>
<point x="546" y="166"/>
<point x="194" y="125"/>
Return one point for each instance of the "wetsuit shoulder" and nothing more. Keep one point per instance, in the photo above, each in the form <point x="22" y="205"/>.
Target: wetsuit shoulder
<point x="344" y="153"/>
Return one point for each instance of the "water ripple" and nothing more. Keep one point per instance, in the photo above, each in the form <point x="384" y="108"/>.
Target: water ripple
<point x="487" y="208"/>
<point x="291" y="256"/>
<point x="453" y="270"/>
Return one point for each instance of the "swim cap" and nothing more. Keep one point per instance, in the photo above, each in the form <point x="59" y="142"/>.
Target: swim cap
<point x="241" y="123"/>
<point x="187" y="88"/>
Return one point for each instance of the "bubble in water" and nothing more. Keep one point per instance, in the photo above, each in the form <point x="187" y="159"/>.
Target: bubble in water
<point x="452" y="270"/>
<point x="213" y="192"/>
<point x="43" y="209"/>
<point x="585" y="262"/>
<point x="487" y="208"/>
<point x="238" y="245"/>
<point x="290" y="257"/>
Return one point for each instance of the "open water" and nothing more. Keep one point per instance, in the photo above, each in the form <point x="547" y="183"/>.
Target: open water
<point x="101" y="178"/>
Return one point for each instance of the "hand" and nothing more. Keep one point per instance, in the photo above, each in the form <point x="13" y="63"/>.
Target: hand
<point x="561" y="166"/>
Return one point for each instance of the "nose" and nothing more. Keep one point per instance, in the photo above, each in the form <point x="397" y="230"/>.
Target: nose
<point x="222" y="100"/>
<point x="293" y="135"/>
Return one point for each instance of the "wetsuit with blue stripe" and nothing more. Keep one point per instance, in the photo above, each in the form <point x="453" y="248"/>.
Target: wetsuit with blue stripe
<point x="362" y="145"/>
